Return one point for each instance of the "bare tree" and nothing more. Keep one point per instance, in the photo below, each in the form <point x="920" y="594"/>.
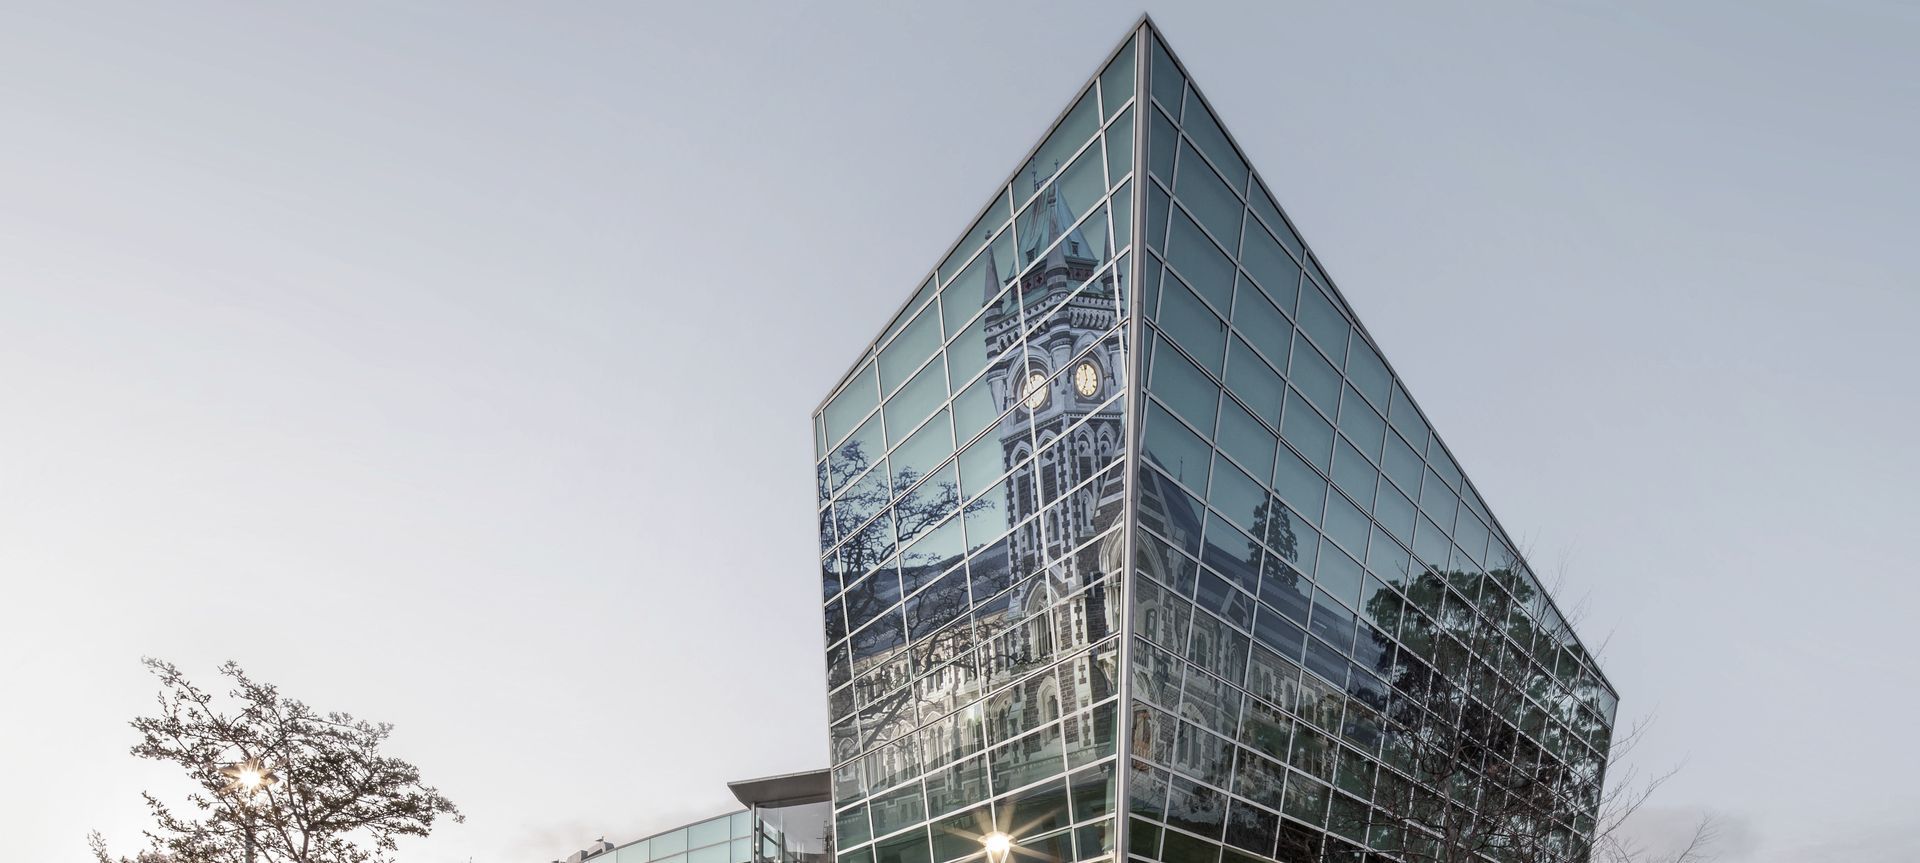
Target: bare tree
<point x="276" y="781"/>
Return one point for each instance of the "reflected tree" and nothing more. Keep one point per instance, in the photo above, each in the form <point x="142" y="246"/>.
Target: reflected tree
<point x="1497" y="716"/>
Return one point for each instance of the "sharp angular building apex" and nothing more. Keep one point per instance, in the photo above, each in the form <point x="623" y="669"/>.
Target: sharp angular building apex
<point x="1134" y="546"/>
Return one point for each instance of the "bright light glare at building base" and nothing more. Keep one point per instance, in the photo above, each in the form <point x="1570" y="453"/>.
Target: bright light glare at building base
<point x="998" y="844"/>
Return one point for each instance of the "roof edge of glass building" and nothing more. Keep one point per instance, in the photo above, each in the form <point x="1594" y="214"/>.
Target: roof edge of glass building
<point x="907" y="304"/>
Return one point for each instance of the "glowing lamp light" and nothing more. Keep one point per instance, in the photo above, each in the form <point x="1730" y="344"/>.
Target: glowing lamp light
<point x="999" y="846"/>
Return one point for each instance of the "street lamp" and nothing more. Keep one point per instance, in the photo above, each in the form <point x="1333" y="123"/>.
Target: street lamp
<point x="245" y="780"/>
<point x="999" y="845"/>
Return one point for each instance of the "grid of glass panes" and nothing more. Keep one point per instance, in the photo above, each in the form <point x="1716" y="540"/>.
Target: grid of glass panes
<point x="1312" y="564"/>
<point x="971" y="489"/>
<point x="722" y="839"/>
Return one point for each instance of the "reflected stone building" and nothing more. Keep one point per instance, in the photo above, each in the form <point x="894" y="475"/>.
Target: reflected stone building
<point x="1133" y="545"/>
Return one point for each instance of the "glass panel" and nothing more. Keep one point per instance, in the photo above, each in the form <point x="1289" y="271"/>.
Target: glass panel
<point x="1353" y="473"/>
<point x="1299" y="484"/>
<point x="1315" y="378"/>
<point x="1201" y="125"/>
<point x="1361" y="423"/>
<point x="1200" y="262"/>
<point x="1080" y="124"/>
<point x="1184" y="387"/>
<point x="1164" y="79"/>
<point x="1162" y="140"/>
<point x="1208" y="197"/>
<point x="1368" y="373"/>
<point x="1307" y="431"/>
<point x="852" y="404"/>
<point x="1173" y="447"/>
<point x="1120" y="149"/>
<point x="1255" y="318"/>
<point x="1158" y="205"/>
<point x="1237" y="495"/>
<point x="974" y="409"/>
<point x="1116" y="81"/>
<point x="1051" y="217"/>
<point x="1244" y="438"/>
<point x="917" y="341"/>
<point x="1270" y="266"/>
<point x="707" y="833"/>
<point x="669" y="843"/>
<point x="1269" y="212"/>
<point x="1322" y="321"/>
<point x="979" y="284"/>
<point x="915" y="401"/>
<point x="1189" y="322"/>
<point x="857" y="453"/>
<point x="995" y="216"/>
<point x="1250" y="378"/>
<point x="1406" y="418"/>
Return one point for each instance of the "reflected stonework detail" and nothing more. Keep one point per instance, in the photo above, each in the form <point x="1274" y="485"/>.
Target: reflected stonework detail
<point x="1125" y="467"/>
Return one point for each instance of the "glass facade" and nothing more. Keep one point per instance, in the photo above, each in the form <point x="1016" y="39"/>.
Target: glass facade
<point x="788" y="820"/>
<point x="721" y="839"/>
<point x="1207" y="521"/>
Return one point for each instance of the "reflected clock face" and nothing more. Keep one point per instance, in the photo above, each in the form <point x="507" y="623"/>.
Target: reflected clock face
<point x="1034" y="393"/>
<point x="1086" y="379"/>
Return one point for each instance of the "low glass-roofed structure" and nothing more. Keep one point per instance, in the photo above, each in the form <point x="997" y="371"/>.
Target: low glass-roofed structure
<point x="786" y="820"/>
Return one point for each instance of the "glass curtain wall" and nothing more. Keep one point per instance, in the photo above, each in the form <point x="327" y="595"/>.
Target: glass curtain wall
<point x="794" y="832"/>
<point x="1325" y="645"/>
<point x="1334" y="646"/>
<point x="971" y="492"/>
<point x="722" y="839"/>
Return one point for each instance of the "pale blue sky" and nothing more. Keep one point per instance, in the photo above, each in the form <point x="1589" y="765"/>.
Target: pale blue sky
<point x="451" y="363"/>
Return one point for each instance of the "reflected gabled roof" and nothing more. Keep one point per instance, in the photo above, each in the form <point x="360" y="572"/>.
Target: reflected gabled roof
<point x="1046" y="221"/>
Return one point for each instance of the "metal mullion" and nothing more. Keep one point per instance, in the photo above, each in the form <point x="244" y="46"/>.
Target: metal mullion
<point x="1131" y="388"/>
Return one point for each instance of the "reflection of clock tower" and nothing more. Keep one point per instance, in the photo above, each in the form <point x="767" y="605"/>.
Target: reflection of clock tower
<point x="1062" y="389"/>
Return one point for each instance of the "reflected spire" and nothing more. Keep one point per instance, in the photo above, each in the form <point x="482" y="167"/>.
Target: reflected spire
<point x="1050" y="218"/>
<point x="993" y="283"/>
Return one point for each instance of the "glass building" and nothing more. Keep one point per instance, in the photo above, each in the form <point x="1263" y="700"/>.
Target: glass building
<point x="787" y="819"/>
<point x="1134" y="546"/>
<point x="720" y="839"/>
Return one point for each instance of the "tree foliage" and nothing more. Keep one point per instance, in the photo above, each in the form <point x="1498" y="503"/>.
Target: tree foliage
<point x="334" y="798"/>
